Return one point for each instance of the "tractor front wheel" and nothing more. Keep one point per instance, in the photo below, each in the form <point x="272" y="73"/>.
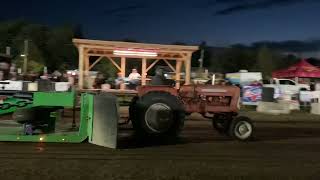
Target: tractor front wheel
<point x="157" y="115"/>
<point x="241" y="128"/>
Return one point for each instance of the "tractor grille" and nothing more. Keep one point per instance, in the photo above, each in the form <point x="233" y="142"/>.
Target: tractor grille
<point x="218" y="100"/>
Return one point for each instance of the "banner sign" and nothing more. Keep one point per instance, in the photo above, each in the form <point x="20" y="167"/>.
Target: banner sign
<point x="251" y="95"/>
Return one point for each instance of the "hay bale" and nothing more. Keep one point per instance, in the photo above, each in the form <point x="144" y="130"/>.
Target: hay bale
<point x="273" y="108"/>
<point x="293" y="105"/>
<point x="315" y="108"/>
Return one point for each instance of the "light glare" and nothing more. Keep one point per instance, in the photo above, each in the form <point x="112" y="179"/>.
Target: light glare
<point x="134" y="53"/>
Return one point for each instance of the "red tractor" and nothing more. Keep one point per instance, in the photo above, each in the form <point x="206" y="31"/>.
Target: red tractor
<point x="160" y="111"/>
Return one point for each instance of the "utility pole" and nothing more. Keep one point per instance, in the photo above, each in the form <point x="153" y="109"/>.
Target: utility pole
<point x="201" y="59"/>
<point x="25" y="61"/>
<point x="8" y="50"/>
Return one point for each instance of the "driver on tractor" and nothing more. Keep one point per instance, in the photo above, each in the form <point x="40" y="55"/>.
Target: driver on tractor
<point x="134" y="79"/>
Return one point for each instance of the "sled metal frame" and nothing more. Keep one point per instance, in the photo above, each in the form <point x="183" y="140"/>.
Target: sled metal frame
<point x="60" y="99"/>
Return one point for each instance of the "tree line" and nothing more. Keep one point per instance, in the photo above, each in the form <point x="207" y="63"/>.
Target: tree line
<point x="47" y="46"/>
<point x="52" y="47"/>
<point x="238" y="57"/>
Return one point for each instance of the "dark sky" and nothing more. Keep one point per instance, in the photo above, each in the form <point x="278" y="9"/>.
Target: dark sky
<point x="219" y="22"/>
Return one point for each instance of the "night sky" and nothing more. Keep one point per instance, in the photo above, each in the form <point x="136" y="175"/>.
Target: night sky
<point x="218" y="22"/>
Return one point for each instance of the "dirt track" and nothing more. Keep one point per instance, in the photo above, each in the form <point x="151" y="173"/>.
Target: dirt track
<point x="287" y="150"/>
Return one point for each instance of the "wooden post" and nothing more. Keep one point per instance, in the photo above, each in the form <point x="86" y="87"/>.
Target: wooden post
<point x="170" y="66"/>
<point x="86" y="62"/>
<point x="96" y="62"/>
<point x="123" y="67"/>
<point x="86" y="80"/>
<point x="123" y="71"/>
<point x="144" y="71"/>
<point x="187" y="65"/>
<point x="114" y="63"/>
<point x="81" y="59"/>
<point x="178" y="73"/>
<point x="152" y="64"/>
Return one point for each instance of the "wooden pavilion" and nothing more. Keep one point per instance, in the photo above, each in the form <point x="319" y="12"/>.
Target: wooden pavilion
<point x="150" y="55"/>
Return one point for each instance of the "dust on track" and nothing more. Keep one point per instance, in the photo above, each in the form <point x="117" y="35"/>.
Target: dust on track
<point x="287" y="150"/>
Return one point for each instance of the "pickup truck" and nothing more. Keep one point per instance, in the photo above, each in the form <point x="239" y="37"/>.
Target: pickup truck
<point x="287" y="86"/>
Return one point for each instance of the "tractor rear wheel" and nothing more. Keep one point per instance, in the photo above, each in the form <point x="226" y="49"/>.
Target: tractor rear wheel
<point x="221" y="123"/>
<point x="241" y="128"/>
<point x="157" y="115"/>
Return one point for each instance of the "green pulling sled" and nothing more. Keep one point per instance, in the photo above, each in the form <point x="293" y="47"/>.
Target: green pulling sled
<point x="38" y="119"/>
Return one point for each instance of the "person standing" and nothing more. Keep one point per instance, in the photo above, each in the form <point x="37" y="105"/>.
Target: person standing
<point x="119" y="80"/>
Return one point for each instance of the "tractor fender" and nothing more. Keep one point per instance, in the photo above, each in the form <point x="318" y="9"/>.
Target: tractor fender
<point x="142" y="90"/>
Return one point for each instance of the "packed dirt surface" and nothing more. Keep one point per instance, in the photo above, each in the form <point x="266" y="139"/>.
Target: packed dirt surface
<point x="281" y="149"/>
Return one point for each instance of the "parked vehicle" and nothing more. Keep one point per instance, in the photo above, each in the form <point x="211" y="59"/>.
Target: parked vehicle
<point x="243" y="77"/>
<point x="287" y="86"/>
